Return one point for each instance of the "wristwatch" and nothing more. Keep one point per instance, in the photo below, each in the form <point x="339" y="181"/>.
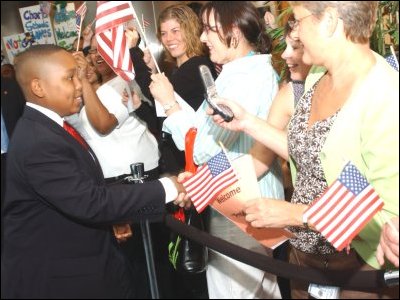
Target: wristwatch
<point x="169" y="105"/>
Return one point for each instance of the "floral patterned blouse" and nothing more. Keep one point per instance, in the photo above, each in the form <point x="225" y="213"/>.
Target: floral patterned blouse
<point x="305" y="144"/>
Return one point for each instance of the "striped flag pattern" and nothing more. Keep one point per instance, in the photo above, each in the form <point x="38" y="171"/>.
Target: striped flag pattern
<point x="145" y="23"/>
<point x="344" y="208"/>
<point x="209" y="180"/>
<point x="80" y="16"/>
<point x="110" y="36"/>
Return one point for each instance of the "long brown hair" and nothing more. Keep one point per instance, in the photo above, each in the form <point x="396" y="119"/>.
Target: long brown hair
<point x="190" y="26"/>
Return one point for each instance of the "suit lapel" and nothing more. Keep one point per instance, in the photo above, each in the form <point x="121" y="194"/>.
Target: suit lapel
<point x="89" y="155"/>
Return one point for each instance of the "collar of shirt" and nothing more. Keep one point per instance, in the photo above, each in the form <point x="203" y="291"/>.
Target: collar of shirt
<point x="246" y="63"/>
<point x="47" y="112"/>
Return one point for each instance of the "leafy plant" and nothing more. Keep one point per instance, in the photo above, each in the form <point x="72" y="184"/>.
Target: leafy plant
<point x="278" y="41"/>
<point x="386" y="32"/>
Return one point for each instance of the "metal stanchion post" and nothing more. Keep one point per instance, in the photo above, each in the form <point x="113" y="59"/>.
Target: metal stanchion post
<point x="137" y="170"/>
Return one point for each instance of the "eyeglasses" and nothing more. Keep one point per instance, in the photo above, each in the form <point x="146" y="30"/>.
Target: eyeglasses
<point x="294" y="23"/>
<point x="207" y="28"/>
<point x="92" y="51"/>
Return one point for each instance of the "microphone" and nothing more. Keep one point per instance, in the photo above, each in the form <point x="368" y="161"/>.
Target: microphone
<point x="211" y="94"/>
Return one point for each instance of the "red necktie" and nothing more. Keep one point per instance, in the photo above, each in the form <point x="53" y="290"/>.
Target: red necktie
<point x="71" y="130"/>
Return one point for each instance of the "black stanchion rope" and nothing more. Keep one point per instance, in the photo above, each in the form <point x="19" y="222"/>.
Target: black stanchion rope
<point x="346" y="279"/>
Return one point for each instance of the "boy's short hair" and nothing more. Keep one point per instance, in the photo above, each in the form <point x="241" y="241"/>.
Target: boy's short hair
<point x="31" y="60"/>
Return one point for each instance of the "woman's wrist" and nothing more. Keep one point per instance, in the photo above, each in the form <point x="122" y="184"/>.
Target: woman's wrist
<point x="171" y="108"/>
<point x="250" y="123"/>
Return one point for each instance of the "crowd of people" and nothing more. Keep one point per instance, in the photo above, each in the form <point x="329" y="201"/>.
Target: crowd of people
<point x="69" y="213"/>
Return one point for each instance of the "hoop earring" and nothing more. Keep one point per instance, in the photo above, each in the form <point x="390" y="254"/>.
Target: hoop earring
<point x="234" y="42"/>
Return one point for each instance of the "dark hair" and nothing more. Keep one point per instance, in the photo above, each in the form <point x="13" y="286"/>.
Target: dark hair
<point x="196" y="7"/>
<point x="245" y="16"/>
<point x="30" y="59"/>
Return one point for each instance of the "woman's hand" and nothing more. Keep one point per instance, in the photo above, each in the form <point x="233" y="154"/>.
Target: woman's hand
<point x="82" y="65"/>
<point x="183" y="199"/>
<point x="136" y="102"/>
<point x="161" y="89"/>
<point x="87" y="34"/>
<point x="240" y="119"/>
<point x="275" y="213"/>
<point x="389" y="243"/>
<point x="132" y="37"/>
<point x="148" y="60"/>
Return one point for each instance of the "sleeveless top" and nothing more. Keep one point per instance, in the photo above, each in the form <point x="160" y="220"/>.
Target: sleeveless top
<point x="305" y="145"/>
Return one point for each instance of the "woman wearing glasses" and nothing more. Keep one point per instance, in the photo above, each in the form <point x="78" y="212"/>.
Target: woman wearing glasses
<point x="351" y="112"/>
<point x="235" y="35"/>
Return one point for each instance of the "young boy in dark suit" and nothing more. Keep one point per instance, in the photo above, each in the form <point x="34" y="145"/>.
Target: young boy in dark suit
<point x="58" y="211"/>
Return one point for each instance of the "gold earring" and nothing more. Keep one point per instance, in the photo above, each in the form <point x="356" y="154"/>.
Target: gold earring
<point x="234" y="42"/>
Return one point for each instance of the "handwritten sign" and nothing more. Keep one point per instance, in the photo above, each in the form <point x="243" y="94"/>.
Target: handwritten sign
<point x="230" y="203"/>
<point x="65" y="25"/>
<point x="17" y="43"/>
<point x="38" y="23"/>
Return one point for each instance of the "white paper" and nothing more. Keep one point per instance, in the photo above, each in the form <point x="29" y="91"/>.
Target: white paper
<point x="323" y="291"/>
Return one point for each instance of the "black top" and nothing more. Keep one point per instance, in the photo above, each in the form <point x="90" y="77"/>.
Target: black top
<point x="145" y="112"/>
<point x="187" y="81"/>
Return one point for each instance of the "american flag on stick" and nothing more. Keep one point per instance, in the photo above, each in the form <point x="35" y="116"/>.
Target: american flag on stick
<point x="110" y="36"/>
<point x="344" y="208"/>
<point x="80" y="16"/>
<point x="145" y="23"/>
<point x="209" y="180"/>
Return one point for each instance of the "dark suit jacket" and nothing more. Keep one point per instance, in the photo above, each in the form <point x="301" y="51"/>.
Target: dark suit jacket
<point x="12" y="103"/>
<point x="58" y="211"/>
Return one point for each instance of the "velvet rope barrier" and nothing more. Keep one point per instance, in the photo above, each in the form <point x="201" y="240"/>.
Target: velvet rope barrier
<point x="346" y="279"/>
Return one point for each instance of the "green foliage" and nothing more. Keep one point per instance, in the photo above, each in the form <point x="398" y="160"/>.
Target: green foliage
<point x="387" y="25"/>
<point x="278" y="41"/>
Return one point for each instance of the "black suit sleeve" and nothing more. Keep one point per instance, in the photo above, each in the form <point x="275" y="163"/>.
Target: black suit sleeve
<point x="58" y="175"/>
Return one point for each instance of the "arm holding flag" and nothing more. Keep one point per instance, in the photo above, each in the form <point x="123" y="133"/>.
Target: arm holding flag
<point x="178" y="121"/>
<point x="274" y="213"/>
<point x="98" y="115"/>
<point x="142" y="71"/>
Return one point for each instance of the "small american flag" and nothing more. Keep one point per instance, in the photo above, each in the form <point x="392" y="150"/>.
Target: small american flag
<point x="80" y="16"/>
<point x="209" y="180"/>
<point x="344" y="208"/>
<point x="145" y="23"/>
<point x="110" y="36"/>
<point x="392" y="60"/>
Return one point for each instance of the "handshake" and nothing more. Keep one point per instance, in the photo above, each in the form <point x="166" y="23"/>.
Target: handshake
<point x="182" y="199"/>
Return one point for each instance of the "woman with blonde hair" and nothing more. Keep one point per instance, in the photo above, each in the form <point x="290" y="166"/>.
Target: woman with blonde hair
<point x="179" y="32"/>
<point x="349" y="113"/>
